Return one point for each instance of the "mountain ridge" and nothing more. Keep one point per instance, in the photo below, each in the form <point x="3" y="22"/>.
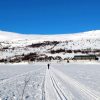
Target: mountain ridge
<point x="15" y="46"/>
<point x="17" y="36"/>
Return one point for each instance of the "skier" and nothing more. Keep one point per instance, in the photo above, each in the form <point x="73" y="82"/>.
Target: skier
<point x="48" y="66"/>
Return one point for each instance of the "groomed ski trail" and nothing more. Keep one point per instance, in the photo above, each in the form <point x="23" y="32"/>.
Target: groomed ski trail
<point x="54" y="87"/>
<point x="85" y="92"/>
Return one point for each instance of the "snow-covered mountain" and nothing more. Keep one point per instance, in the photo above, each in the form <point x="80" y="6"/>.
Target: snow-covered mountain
<point x="82" y="40"/>
<point x="61" y="37"/>
<point x="12" y="44"/>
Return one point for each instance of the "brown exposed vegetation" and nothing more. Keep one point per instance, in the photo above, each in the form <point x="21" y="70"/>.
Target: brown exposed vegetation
<point x="45" y="43"/>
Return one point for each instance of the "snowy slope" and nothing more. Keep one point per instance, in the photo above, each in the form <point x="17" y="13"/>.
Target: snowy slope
<point x="20" y="42"/>
<point x="61" y="37"/>
<point x="8" y="35"/>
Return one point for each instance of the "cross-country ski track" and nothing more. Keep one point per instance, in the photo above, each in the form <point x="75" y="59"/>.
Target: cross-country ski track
<point x="37" y="82"/>
<point x="59" y="86"/>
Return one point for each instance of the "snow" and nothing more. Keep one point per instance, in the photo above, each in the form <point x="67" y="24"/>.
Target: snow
<point x="50" y="94"/>
<point x="85" y="73"/>
<point x="4" y="36"/>
<point x="78" y="41"/>
<point x="22" y="82"/>
<point x="76" y="36"/>
<point x="62" y="81"/>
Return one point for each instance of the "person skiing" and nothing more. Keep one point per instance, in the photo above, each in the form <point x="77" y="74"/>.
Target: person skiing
<point x="48" y="66"/>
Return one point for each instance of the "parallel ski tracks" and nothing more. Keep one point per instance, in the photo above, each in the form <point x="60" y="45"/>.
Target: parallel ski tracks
<point x="78" y="86"/>
<point x="58" y="90"/>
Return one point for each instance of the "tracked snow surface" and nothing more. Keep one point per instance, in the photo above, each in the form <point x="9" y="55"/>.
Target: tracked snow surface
<point x="61" y="82"/>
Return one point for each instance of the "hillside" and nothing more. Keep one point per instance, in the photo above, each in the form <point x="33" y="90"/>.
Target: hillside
<point x="59" y="46"/>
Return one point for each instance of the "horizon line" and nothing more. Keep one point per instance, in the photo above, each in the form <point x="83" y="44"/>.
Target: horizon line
<point x="47" y="33"/>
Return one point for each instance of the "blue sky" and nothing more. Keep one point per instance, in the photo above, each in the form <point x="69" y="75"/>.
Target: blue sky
<point x="49" y="16"/>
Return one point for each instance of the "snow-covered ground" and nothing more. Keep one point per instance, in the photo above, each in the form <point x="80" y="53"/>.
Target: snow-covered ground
<point x="21" y="82"/>
<point x="62" y="81"/>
